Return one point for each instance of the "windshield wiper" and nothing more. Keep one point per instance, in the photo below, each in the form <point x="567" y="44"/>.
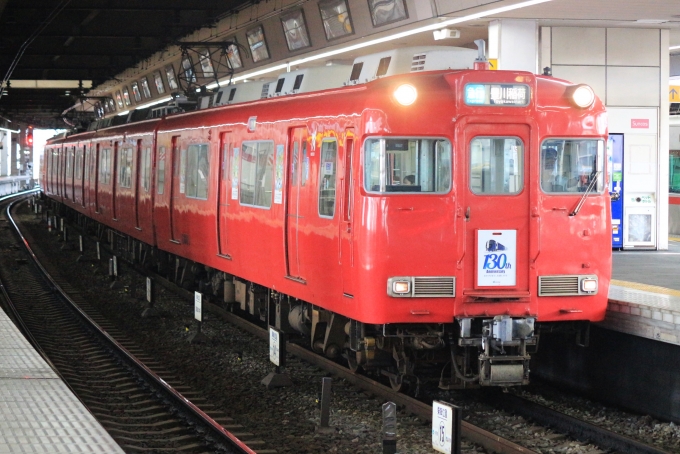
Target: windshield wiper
<point x="589" y="189"/>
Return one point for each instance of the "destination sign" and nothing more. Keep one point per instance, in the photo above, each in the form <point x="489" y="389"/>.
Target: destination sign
<point x="497" y="95"/>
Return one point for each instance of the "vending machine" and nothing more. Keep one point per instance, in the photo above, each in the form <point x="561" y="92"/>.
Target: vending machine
<point x="615" y="171"/>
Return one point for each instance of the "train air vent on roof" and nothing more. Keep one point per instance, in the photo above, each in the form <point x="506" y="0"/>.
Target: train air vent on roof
<point x="563" y="285"/>
<point x="218" y="98"/>
<point x="231" y="94"/>
<point x="383" y="66"/>
<point x="279" y="85"/>
<point x="356" y="71"/>
<point x="424" y="286"/>
<point x="418" y="62"/>
<point x="265" y="91"/>
<point x="298" y="81"/>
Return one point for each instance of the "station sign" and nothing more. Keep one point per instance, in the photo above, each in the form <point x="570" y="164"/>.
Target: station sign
<point x="517" y="95"/>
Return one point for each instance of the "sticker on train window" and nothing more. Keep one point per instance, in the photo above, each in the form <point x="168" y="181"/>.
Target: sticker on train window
<point x="497" y="95"/>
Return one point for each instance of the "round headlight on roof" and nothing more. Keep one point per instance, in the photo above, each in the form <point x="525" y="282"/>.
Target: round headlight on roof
<point x="583" y="96"/>
<point x="406" y="94"/>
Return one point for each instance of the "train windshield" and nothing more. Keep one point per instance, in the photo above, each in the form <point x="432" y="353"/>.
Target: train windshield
<point x="407" y="165"/>
<point x="570" y="165"/>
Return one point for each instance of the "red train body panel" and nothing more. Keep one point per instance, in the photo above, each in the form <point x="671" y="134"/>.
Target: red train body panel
<point x="307" y="196"/>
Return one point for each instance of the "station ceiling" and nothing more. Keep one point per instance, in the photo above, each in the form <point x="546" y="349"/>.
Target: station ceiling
<point x="95" y="40"/>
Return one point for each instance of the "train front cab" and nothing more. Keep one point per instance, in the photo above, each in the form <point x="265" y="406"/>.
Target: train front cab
<point x="501" y="251"/>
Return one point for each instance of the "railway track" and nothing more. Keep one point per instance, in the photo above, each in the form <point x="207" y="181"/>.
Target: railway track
<point x="604" y="440"/>
<point x="107" y="372"/>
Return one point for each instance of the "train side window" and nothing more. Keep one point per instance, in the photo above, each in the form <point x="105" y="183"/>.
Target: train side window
<point x="328" y="169"/>
<point x="407" y="165"/>
<point x="105" y="166"/>
<point x="69" y="163"/>
<point x="496" y="165"/>
<point x="257" y="160"/>
<point x="79" y="165"/>
<point x="125" y="168"/>
<point x="198" y="171"/>
<point x="570" y="165"/>
<point x="146" y="168"/>
<point x="160" y="175"/>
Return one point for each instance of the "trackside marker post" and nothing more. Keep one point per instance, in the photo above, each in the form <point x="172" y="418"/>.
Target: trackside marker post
<point x="277" y="355"/>
<point x="446" y="427"/>
<point x="198" y="337"/>
<point x="389" y="428"/>
<point x="150" y="311"/>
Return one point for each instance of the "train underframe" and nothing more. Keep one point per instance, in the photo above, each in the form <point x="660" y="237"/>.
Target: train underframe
<point x="466" y="353"/>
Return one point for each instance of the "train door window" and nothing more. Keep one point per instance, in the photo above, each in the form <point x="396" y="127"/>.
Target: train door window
<point x="294" y="164"/>
<point x="257" y="159"/>
<point x="146" y="168"/>
<point x="105" y="166"/>
<point x="305" y="165"/>
<point x="571" y="165"/>
<point x="407" y="165"/>
<point x="88" y="158"/>
<point x="496" y="165"/>
<point x="125" y="168"/>
<point x="198" y="171"/>
<point x="160" y="174"/>
<point x="79" y="165"/>
<point x="328" y="169"/>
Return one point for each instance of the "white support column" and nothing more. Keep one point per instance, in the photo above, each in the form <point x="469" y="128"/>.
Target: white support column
<point x="514" y="43"/>
<point x="664" y="143"/>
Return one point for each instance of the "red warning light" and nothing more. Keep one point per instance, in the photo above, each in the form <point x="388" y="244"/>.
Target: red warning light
<point x="29" y="136"/>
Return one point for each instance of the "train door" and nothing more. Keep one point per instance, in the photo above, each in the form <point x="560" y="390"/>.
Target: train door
<point x="346" y="231"/>
<point x="95" y="175"/>
<point x="495" y="208"/>
<point x="114" y="182"/>
<point x="139" y="184"/>
<point x="174" y="186"/>
<point x="87" y="151"/>
<point x="298" y="174"/>
<point x="225" y="193"/>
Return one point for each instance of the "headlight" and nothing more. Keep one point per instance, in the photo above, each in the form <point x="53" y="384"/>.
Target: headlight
<point x="589" y="285"/>
<point x="399" y="286"/>
<point x="406" y="94"/>
<point x="583" y="96"/>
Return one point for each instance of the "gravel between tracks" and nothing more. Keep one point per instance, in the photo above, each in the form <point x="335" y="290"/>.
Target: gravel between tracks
<point x="229" y="368"/>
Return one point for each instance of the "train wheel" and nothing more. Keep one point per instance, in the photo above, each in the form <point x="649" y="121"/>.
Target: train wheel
<point x="352" y="361"/>
<point x="398" y="383"/>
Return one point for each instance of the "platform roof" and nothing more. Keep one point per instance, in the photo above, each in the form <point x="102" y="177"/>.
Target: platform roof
<point x="55" y="51"/>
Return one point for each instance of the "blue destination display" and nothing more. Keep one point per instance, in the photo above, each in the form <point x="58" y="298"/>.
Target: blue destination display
<point x="497" y="95"/>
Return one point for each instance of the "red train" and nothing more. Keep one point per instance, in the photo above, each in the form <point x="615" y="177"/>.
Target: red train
<point x="441" y="218"/>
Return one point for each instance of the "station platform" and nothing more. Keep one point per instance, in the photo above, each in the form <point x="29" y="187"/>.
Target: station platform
<point x="644" y="298"/>
<point x="38" y="412"/>
<point x="14" y="184"/>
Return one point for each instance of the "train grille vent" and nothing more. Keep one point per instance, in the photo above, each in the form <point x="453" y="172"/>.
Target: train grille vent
<point x="558" y="285"/>
<point x="418" y="62"/>
<point x="434" y="286"/>
<point x="265" y="91"/>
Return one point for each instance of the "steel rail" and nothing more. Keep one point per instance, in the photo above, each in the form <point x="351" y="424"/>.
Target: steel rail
<point x="171" y="392"/>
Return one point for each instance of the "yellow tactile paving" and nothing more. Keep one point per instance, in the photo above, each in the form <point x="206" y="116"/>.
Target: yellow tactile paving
<point x="646" y="287"/>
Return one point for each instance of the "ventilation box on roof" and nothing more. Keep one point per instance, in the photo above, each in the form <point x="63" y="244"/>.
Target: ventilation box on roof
<point x="410" y="59"/>
<point x="309" y="79"/>
<point x="241" y="92"/>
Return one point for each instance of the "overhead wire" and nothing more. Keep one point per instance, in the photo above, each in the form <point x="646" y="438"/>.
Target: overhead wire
<point x="48" y="20"/>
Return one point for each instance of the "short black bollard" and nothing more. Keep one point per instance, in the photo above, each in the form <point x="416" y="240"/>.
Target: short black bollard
<point x="326" y="383"/>
<point x="150" y="310"/>
<point x="113" y="273"/>
<point x="389" y="430"/>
